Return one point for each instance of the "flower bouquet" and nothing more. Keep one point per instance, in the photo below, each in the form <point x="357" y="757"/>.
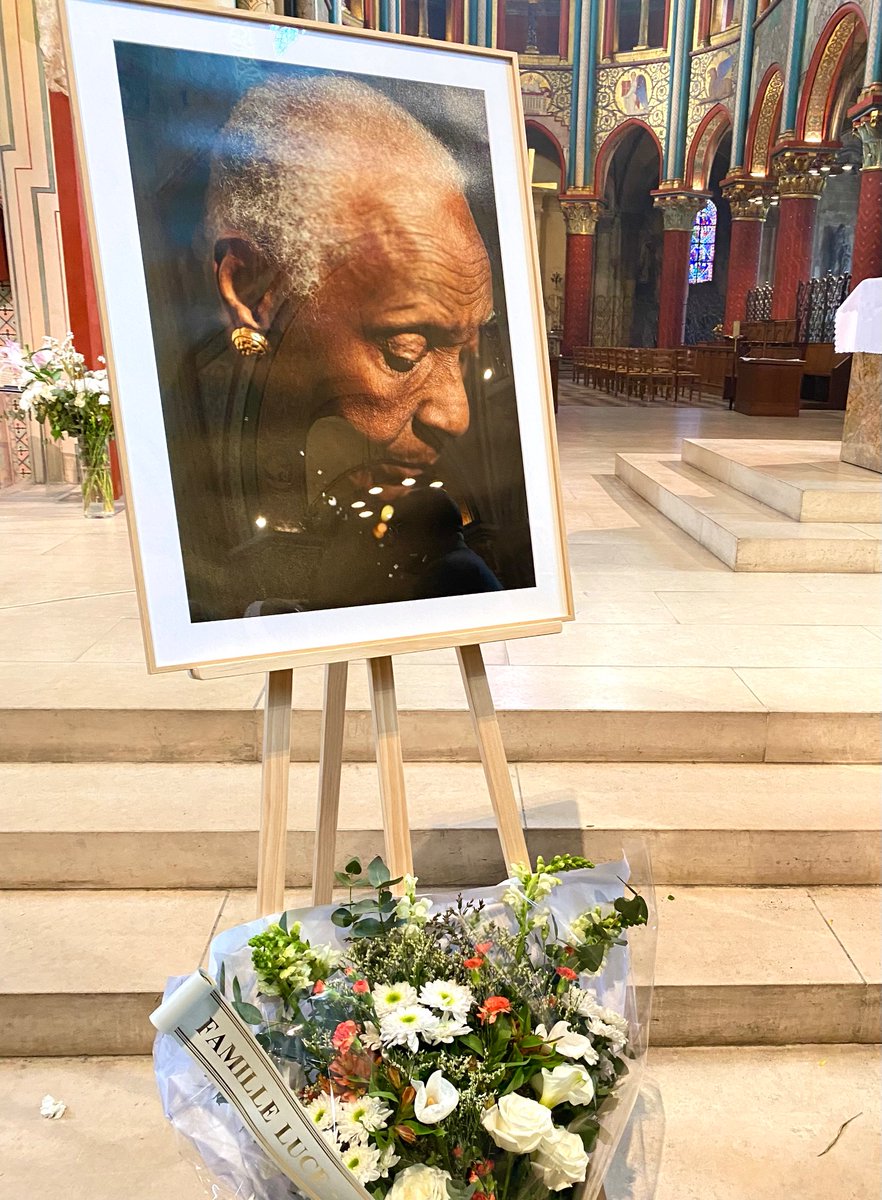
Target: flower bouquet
<point x="487" y="1048"/>
<point x="57" y="388"/>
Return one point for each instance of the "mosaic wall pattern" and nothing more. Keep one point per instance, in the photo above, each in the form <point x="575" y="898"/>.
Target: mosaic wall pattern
<point x="547" y="93"/>
<point x="631" y="91"/>
<point x="770" y="45"/>
<point x="819" y="13"/>
<point x="713" y="81"/>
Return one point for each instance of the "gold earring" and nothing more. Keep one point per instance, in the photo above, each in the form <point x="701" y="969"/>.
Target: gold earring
<point x="249" y="342"/>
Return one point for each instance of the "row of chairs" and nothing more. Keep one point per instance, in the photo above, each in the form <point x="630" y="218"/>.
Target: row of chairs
<point x="638" y="371"/>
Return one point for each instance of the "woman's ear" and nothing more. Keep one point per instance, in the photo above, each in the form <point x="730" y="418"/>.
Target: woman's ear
<point x="248" y="286"/>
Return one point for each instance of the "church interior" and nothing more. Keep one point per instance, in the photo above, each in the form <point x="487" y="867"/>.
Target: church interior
<point x="706" y="182"/>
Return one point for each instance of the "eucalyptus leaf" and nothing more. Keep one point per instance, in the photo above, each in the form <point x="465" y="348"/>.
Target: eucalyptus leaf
<point x="248" y="1013"/>
<point x="378" y="873"/>
<point x="342" y="918"/>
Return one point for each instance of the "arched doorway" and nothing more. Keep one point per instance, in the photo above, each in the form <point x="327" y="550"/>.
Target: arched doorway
<point x="548" y="174"/>
<point x="629" y="240"/>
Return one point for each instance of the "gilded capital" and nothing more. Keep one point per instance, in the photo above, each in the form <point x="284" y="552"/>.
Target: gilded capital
<point x="802" y="170"/>
<point x="678" y="209"/>
<point x="582" y="214"/>
<point x="748" y="198"/>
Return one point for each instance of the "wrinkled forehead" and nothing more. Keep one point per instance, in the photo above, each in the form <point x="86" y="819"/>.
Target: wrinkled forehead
<point x="419" y="225"/>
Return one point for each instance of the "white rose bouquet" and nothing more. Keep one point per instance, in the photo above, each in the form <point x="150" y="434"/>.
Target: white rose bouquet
<point x="56" y="387"/>
<point x="462" y="1053"/>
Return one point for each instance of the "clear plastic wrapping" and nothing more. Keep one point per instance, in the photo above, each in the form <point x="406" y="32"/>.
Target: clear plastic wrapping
<point x="343" y="1023"/>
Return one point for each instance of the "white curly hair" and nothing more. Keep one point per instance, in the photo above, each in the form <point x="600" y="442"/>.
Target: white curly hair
<point x="286" y="158"/>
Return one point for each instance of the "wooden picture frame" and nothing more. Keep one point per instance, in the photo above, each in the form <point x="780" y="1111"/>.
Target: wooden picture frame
<point x="223" y="645"/>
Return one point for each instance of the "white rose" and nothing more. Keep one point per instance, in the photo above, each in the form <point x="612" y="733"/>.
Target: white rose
<point x="517" y="1124"/>
<point x="566" y="1041"/>
<point x="435" y="1099"/>
<point x="419" y="1182"/>
<point x="566" y="1084"/>
<point x="561" y="1160"/>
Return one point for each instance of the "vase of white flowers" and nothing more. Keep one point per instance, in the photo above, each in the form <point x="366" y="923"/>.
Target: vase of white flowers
<point x="57" y="388"/>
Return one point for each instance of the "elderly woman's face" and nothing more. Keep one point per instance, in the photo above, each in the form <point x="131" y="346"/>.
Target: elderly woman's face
<point x="381" y="348"/>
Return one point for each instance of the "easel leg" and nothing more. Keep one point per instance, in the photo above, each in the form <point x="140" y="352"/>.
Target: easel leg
<point x="330" y="765"/>
<point x="387" y="739"/>
<point x="508" y="820"/>
<point x="274" y="793"/>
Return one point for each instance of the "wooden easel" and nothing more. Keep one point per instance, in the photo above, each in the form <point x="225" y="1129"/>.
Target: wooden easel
<point x="390" y="765"/>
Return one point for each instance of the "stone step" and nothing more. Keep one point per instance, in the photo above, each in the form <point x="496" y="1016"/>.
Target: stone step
<point x="743" y="533"/>
<point x="784" y="1105"/>
<point x="189" y="825"/>
<point x="112" y="712"/>
<point x="804" y="480"/>
<point x="83" y="969"/>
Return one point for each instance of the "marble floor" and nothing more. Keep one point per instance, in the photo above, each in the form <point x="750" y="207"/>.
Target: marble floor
<point x="659" y="620"/>
<point x="655" y="613"/>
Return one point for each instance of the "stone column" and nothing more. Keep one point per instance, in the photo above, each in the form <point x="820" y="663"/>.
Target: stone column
<point x="581" y="215"/>
<point x="678" y="213"/>
<point x="749" y="203"/>
<point x="800" y="178"/>
<point x="867" y="257"/>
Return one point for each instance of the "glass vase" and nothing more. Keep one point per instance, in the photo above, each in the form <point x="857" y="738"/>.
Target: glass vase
<point x="96" y="479"/>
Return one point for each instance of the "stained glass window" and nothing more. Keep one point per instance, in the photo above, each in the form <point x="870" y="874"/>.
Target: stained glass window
<point x="703" y="244"/>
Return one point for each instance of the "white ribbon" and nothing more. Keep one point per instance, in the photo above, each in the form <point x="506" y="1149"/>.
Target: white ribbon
<point x="229" y="1054"/>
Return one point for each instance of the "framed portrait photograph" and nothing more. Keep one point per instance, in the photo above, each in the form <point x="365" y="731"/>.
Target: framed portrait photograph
<point x="324" y="331"/>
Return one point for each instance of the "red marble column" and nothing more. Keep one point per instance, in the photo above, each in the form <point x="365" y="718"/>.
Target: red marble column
<point x="866" y="261"/>
<point x="673" y="290"/>
<point x="867" y="258"/>
<point x="799" y="171"/>
<point x="748" y="201"/>
<point x="678" y="213"/>
<point x="79" y="276"/>
<point x="744" y="257"/>
<point x="578" y="286"/>
<point x="82" y="301"/>
<point x="793" y="252"/>
<point x="581" y="216"/>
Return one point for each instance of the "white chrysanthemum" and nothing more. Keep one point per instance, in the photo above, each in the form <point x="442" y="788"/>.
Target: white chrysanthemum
<point x="357" y="1118"/>
<point x="602" y="1022"/>
<point x="448" y="996"/>
<point x="444" y="1030"/>
<point x="363" y="1162"/>
<point x="389" y="996"/>
<point x="402" y="1026"/>
<point x="321" y="1112"/>
<point x="388" y="1160"/>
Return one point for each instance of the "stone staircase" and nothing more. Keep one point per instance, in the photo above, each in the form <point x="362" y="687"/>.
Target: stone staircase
<point x="128" y="827"/>
<point x="766" y="506"/>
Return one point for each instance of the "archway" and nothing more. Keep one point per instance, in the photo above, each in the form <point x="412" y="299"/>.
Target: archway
<point x="548" y="178"/>
<point x="833" y="83"/>
<point x="707" y="300"/>
<point x="629" y="239"/>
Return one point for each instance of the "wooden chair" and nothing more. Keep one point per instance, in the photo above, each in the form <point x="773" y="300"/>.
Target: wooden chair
<point x="663" y="373"/>
<point x="687" y="375"/>
<point x="639" y="370"/>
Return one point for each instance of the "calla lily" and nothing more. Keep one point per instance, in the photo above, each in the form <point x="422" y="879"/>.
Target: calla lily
<point x="566" y="1084"/>
<point x="435" y="1099"/>
<point x="565" y="1041"/>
